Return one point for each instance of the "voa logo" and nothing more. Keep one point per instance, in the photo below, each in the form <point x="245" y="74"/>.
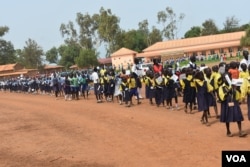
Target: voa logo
<point x="236" y="158"/>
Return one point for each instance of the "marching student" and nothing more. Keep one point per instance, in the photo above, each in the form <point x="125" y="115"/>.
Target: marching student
<point x="211" y="96"/>
<point x="189" y="91"/>
<point x="133" y="87"/>
<point x="66" y="86"/>
<point x="229" y="95"/>
<point x="150" y="83"/>
<point x="159" y="83"/>
<point x="245" y="91"/>
<point x="170" y="89"/>
<point x="96" y="81"/>
<point x="117" y="92"/>
<point x="124" y="87"/>
<point x="202" y="88"/>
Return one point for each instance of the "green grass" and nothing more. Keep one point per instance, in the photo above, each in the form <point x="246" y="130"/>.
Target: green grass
<point x="212" y="61"/>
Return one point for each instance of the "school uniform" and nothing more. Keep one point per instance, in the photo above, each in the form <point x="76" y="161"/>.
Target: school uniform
<point x="203" y="88"/>
<point x="159" y="83"/>
<point x="188" y="88"/>
<point x="245" y="92"/>
<point x="230" y="108"/>
<point x="124" y="87"/>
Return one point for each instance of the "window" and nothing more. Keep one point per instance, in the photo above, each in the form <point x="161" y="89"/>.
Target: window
<point x="212" y="52"/>
<point x="230" y="50"/>
<point x="221" y="50"/>
<point x="203" y="53"/>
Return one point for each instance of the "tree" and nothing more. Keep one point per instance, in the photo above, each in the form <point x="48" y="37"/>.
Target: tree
<point x="209" y="28"/>
<point x="193" y="32"/>
<point x="245" y="41"/>
<point x="170" y="22"/>
<point x="108" y="29"/>
<point x="31" y="55"/>
<point x="135" y="40"/>
<point x="87" y="58"/>
<point x="52" y="55"/>
<point x="68" y="54"/>
<point x="154" y="36"/>
<point x="231" y="24"/>
<point x="7" y="51"/>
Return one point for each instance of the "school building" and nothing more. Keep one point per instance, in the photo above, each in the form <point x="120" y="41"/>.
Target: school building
<point x="227" y="44"/>
<point x="15" y="70"/>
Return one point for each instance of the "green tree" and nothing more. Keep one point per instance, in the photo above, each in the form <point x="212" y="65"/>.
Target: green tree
<point x="245" y="41"/>
<point x="108" y="29"/>
<point x="87" y="58"/>
<point x="154" y="36"/>
<point x="209" y="28"/>
<point x="52" y="55"/>
<point x="231" y="24"/>
<point x="193" y="32"/>
<point x="170" y="23"/>
<point x="7" y="51"/>
<point x="135" y="40"/>
<point x="31" y="55"/>
<point x="68" y="54"/>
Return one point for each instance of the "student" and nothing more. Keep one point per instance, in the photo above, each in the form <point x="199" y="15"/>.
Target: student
<point x="66" y="87"/>
<point x="124" y="87"/>
<point x="211" y="96"/>
<point x="202" y="88"/>
<point x="230" y="108"/>
<point x="188" y="88"/>
<point x="133" y="87"/>
<point x="244" y="72"/>
<point x="117" y="92"/>
<point x="170" y="89"/>
<point x="96" y="80"/>
<point x="159" y="83"/>
<point x="233" y="70"/>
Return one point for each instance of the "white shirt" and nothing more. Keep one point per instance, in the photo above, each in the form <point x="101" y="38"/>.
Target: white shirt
<point x="241" y="62"/>
<point x="95" y="77"/>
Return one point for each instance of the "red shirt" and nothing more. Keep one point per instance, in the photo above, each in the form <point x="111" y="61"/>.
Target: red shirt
<point x="234" y="73"/>
<point x="157" y="68"/>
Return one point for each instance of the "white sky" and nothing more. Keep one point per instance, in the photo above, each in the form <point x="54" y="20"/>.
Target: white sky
<point x="40" y="20"/>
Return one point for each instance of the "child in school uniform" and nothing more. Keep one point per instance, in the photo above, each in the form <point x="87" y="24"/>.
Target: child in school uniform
<point x="159" y="83"/>
<point x="150" y="83"/>
<point x="189" y="91"/>
<point x="170" y="90"/>
<point x="124" y="87"/>
<point x="202" y="88"/>
<point x="211" y="96"/>
<point x="229" y="95"/>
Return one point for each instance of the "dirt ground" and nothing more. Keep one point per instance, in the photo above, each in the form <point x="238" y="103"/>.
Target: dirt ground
<point x="40" y="131"/>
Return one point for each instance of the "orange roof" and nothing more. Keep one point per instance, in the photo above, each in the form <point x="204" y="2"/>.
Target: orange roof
<point x="196" y="41"/>
<point x="123" y="51"/>
<point x="7" y="67"/>
<point x="194" y="44"/>
<point x="105" y="61"/>
<point x="52" y="67"/>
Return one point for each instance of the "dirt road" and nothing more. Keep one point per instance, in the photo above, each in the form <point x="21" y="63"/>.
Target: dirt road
<point x="40" y="131"/>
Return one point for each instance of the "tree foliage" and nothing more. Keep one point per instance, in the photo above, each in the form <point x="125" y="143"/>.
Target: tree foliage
<point x="68" y="54"/>
<point x="31" y="55"/>
<point x="52" y="55"/>
<point x="245" y="41"/>
<point x="170" y="22"/>
<point x="193" y="32"/>
<point x="209" y="28"/>
<point x="7" y="51"/>
<point x="86" y="59"/>
<point x="231" y="24"/>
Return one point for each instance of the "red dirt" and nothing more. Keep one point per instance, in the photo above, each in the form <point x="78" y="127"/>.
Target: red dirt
<point x="38" y="130"/>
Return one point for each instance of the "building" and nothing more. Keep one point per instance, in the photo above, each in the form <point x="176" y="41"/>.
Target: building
<point x="220" y="44"/>
<point x="123" y="58"/>
<point x="50" y="68"/>
<point x="15" y="70"/>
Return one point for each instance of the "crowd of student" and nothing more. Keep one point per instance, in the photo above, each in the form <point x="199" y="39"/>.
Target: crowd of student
<point x="200" y="87"/>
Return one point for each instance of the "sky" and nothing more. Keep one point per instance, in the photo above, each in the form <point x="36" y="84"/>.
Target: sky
<point x="40" y="20"/>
